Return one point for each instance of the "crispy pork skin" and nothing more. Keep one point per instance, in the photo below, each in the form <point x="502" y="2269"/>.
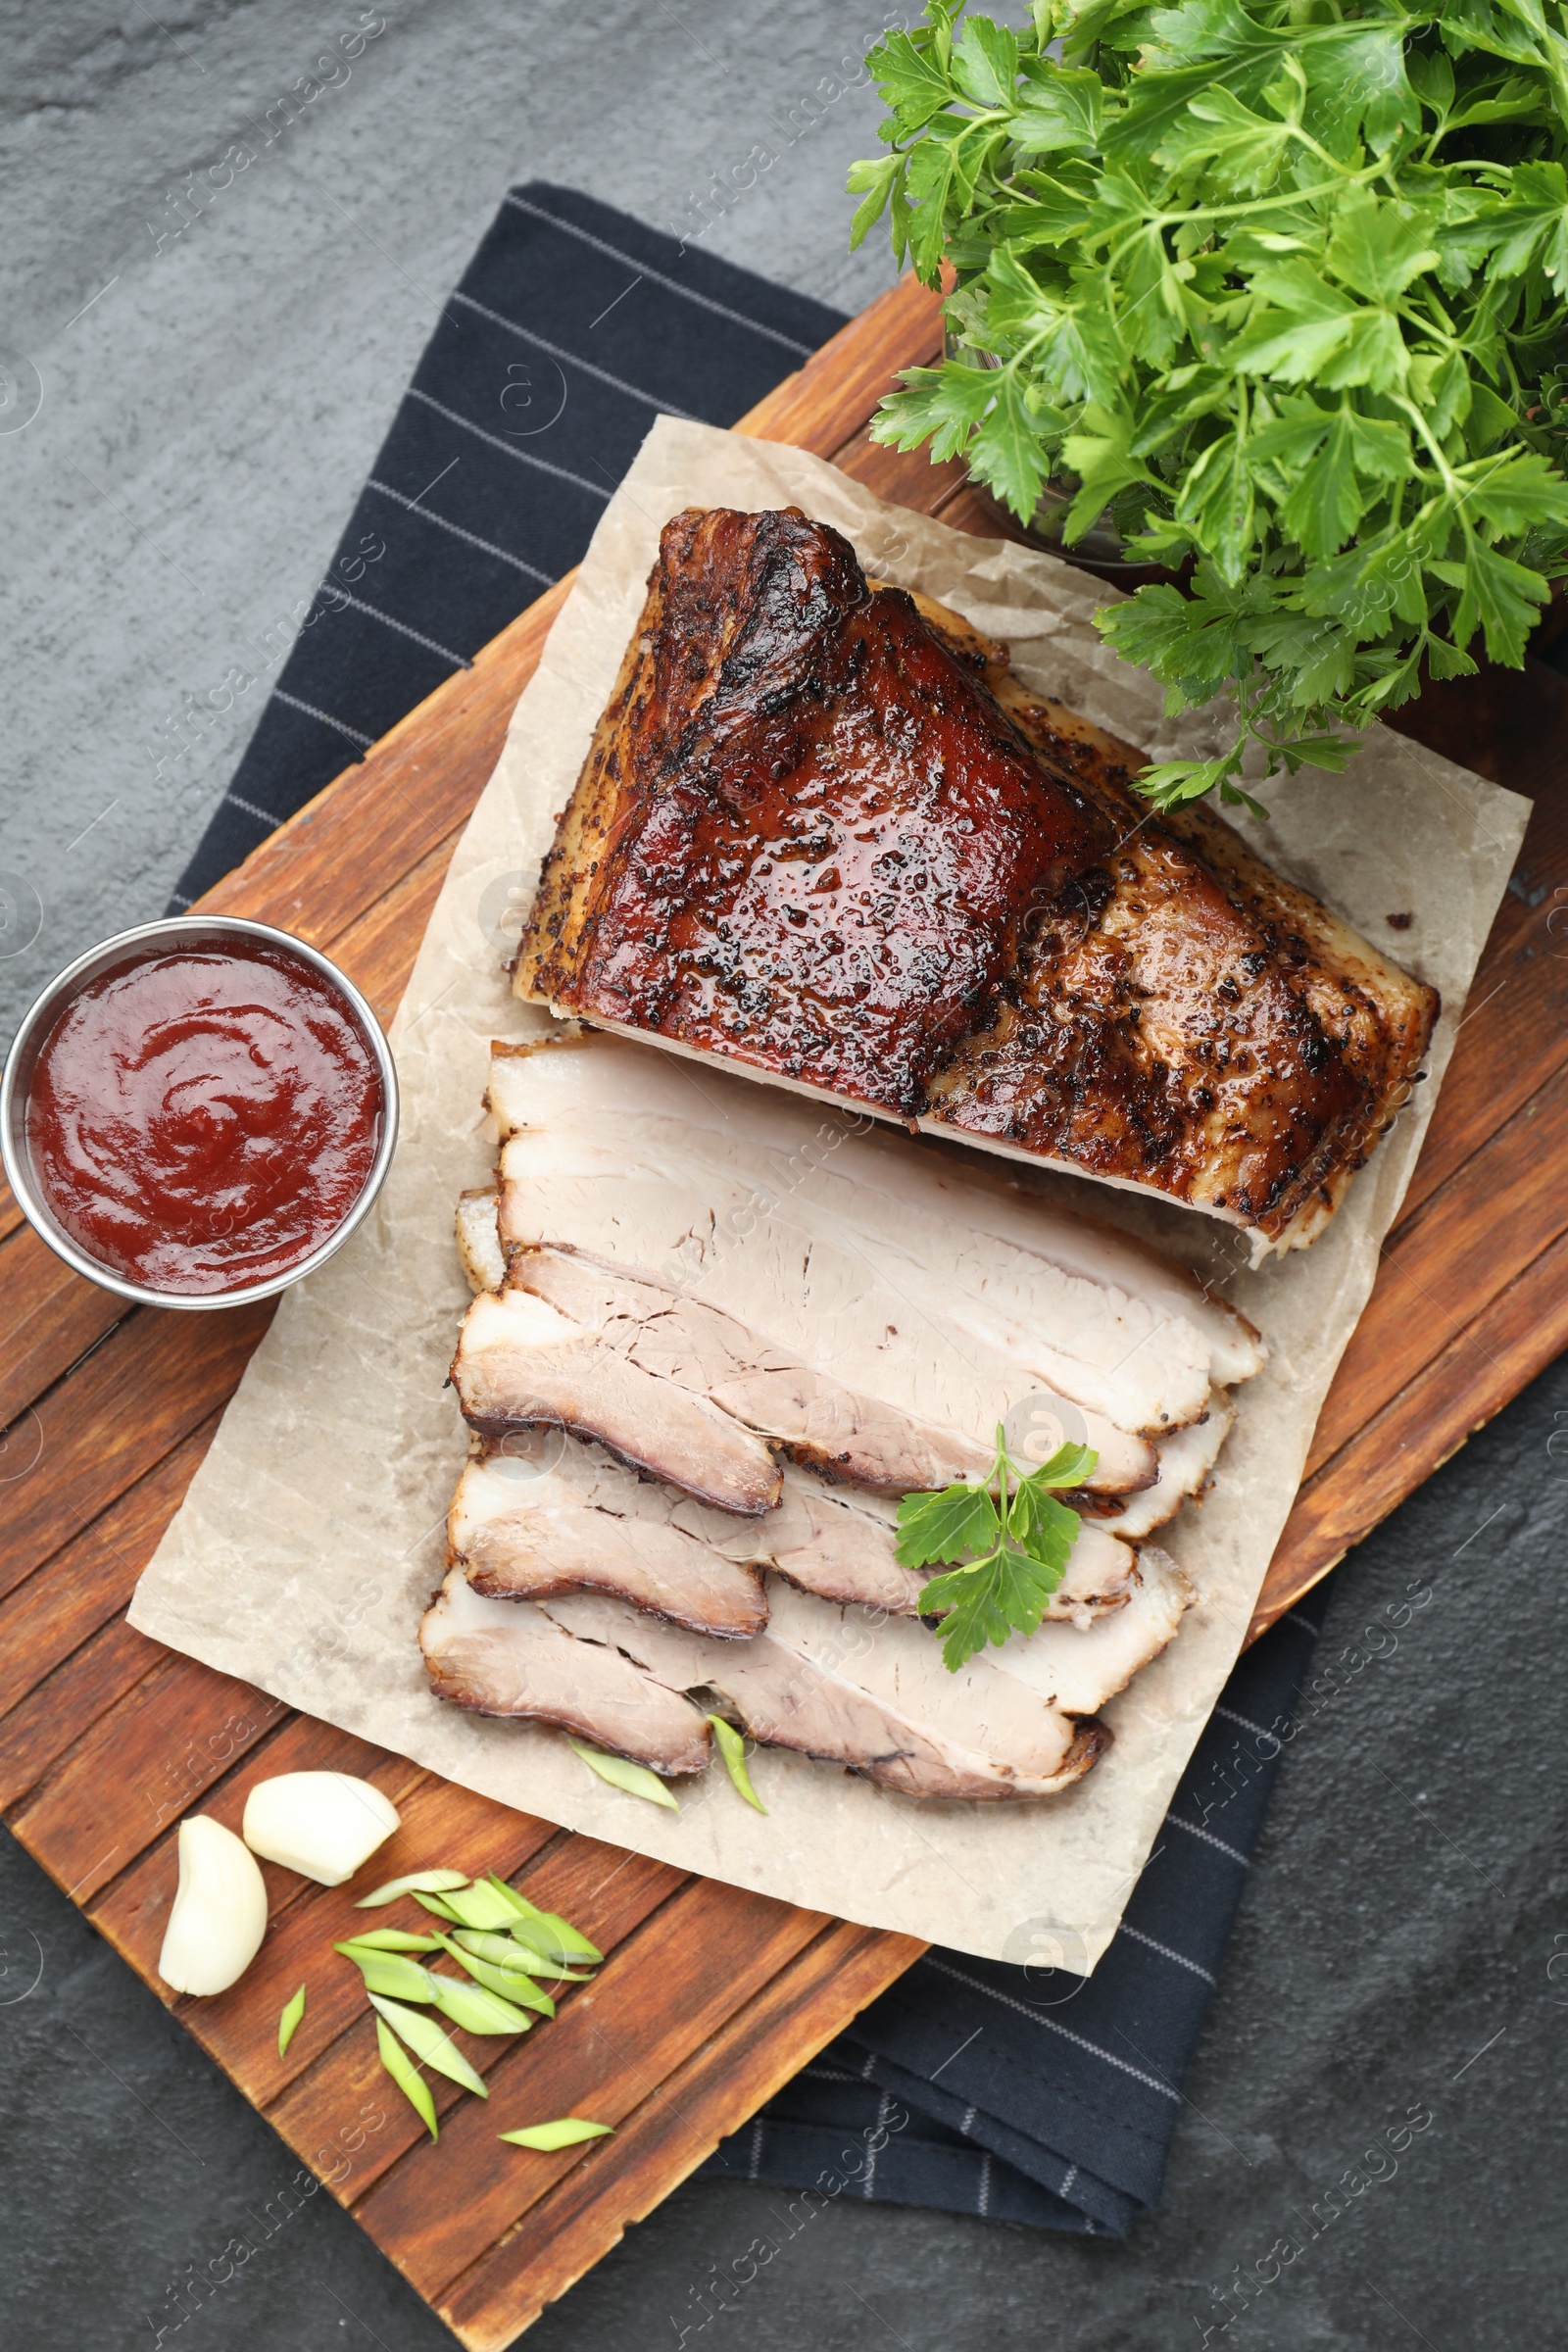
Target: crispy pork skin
<point x="822" y="834"/>
<point x="507" y="1657"/>
<point x="807" y="833"/>
<point x="522" y="1364"/>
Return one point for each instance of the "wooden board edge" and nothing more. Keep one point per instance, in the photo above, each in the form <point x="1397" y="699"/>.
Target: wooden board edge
<point x="715" y="2091"/>
<point x="1521" y="1331"/>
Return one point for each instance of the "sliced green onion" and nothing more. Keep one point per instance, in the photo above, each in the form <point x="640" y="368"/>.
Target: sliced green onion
<point x="476" y="2009"/>
<point x="634" y="1779"/>
<point x="293" y="2011"/>
<point x="392" y="1939"/>
<point x="407" y="2076"/>
<point x="479" y="1905"/>
<point x="439" y="1905"/>
<point x="512" y="1984"/>
<point x="427" y="2040"/>
<point x="414" y="1882"/>
<point x="401" y="1979"/>
<point x="732" y="1747"/>
<point x="564" y="2132"/>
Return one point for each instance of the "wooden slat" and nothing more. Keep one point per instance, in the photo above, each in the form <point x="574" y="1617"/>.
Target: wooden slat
<point x="137" y="1769"/>
<point x="1433" y="1283"/>
<point x="104" y="1739"/>
<point x="61" y="1318"/>
<point x="588" y="2209"/>
<point x="154" y="1379"/>
<point x="1483" y="1369"/>
<point x="66" y="1600"/>
<point x="54" y="1715"/>
<point x="712" y="1948"/>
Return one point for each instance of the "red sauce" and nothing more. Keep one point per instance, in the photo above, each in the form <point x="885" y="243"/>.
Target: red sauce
<point x="205" y="1119"/>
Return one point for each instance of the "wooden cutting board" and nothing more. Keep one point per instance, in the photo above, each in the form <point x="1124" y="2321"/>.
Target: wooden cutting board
<point x="711" y="1998"/>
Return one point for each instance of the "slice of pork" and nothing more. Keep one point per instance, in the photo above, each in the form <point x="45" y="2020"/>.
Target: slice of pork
<point x="762" y="1246"/>
<point x="605" y="1086"/>
<point x="520" y="1363"/>
<point x="528" y="1529"/>
<point x="1186" y="1459"/>
<point x="550" y="1514"/>
<point x="961" y="1379"/>
<point x="765" y="1387"/>
<point x="504" y="1657"/>
<point x="479" y="1239"/>
<point x="878" y="1701"/>
<point x="1078" y="1671"/>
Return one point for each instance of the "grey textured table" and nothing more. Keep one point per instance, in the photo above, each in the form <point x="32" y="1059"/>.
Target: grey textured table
<point x="206" y="419"/>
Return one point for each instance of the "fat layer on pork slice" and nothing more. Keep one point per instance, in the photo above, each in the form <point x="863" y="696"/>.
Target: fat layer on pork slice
<point x="877" y="1700"/>
<point x="508" y="1657"/>
<point x="745" y="1373"/>
<point x="521" y="1363"/>
<point x="478" y="1239"/>
<point x="1078" y="1670"/>
<point x="550" y="1514"/>
<point x="586" y="1076"/>
<point x="1186" y="1459"/>
<point x="528" y="1529"/>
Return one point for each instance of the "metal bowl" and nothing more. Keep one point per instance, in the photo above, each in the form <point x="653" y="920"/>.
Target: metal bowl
<point x="177" y="931"/>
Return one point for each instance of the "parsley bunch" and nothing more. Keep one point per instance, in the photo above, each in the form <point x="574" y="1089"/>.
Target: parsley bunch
<point x="1278" y="284"/>
<point x="1020" y="1539"/>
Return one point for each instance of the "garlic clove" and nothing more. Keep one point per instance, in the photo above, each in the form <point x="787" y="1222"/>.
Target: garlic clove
<point x="321" y="1824"/>
<point x="219" y="1918"/>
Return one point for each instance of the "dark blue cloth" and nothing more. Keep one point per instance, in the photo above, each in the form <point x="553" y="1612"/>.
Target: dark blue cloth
<point x="1022" y="2091"/>
<point x="1030" y="2092"/>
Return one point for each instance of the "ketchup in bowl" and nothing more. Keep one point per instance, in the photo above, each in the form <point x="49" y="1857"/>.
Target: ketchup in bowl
<point x="200" y="1119"/>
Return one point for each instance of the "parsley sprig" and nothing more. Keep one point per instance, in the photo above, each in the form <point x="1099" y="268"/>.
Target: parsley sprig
<point x="1020" y="1537"/>
<point x="1278" y="284"/>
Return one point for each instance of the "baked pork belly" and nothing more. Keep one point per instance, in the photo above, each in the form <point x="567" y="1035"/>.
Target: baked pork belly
<point x="947" y="1290"/>
<point x="505" y="1657"/>
<point x="818" y="1681"/>
<point x="823" y="836"/>
<point x="522" y="1364"/>
<point x="551" y="1515"/>
<point x="811" y="1416"/>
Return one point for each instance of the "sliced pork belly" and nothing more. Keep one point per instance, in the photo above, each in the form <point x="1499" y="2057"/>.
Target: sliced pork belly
<point x="520" y="1363"/>
<point x="526" y="1530"/>
<point x="880" y="1703"/>
<point x="604" y="1089"/>
<point x="884" y="1337"/>
<point x="506" y="1658"/>
<point x="559" y="1516"/>
<point x="809" y="1221"/>
<point x="764" y="1387"/>
<point x="1079" y="1670"/>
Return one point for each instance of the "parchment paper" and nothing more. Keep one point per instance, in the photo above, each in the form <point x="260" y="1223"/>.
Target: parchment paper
<point x="312" y="1534"/>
